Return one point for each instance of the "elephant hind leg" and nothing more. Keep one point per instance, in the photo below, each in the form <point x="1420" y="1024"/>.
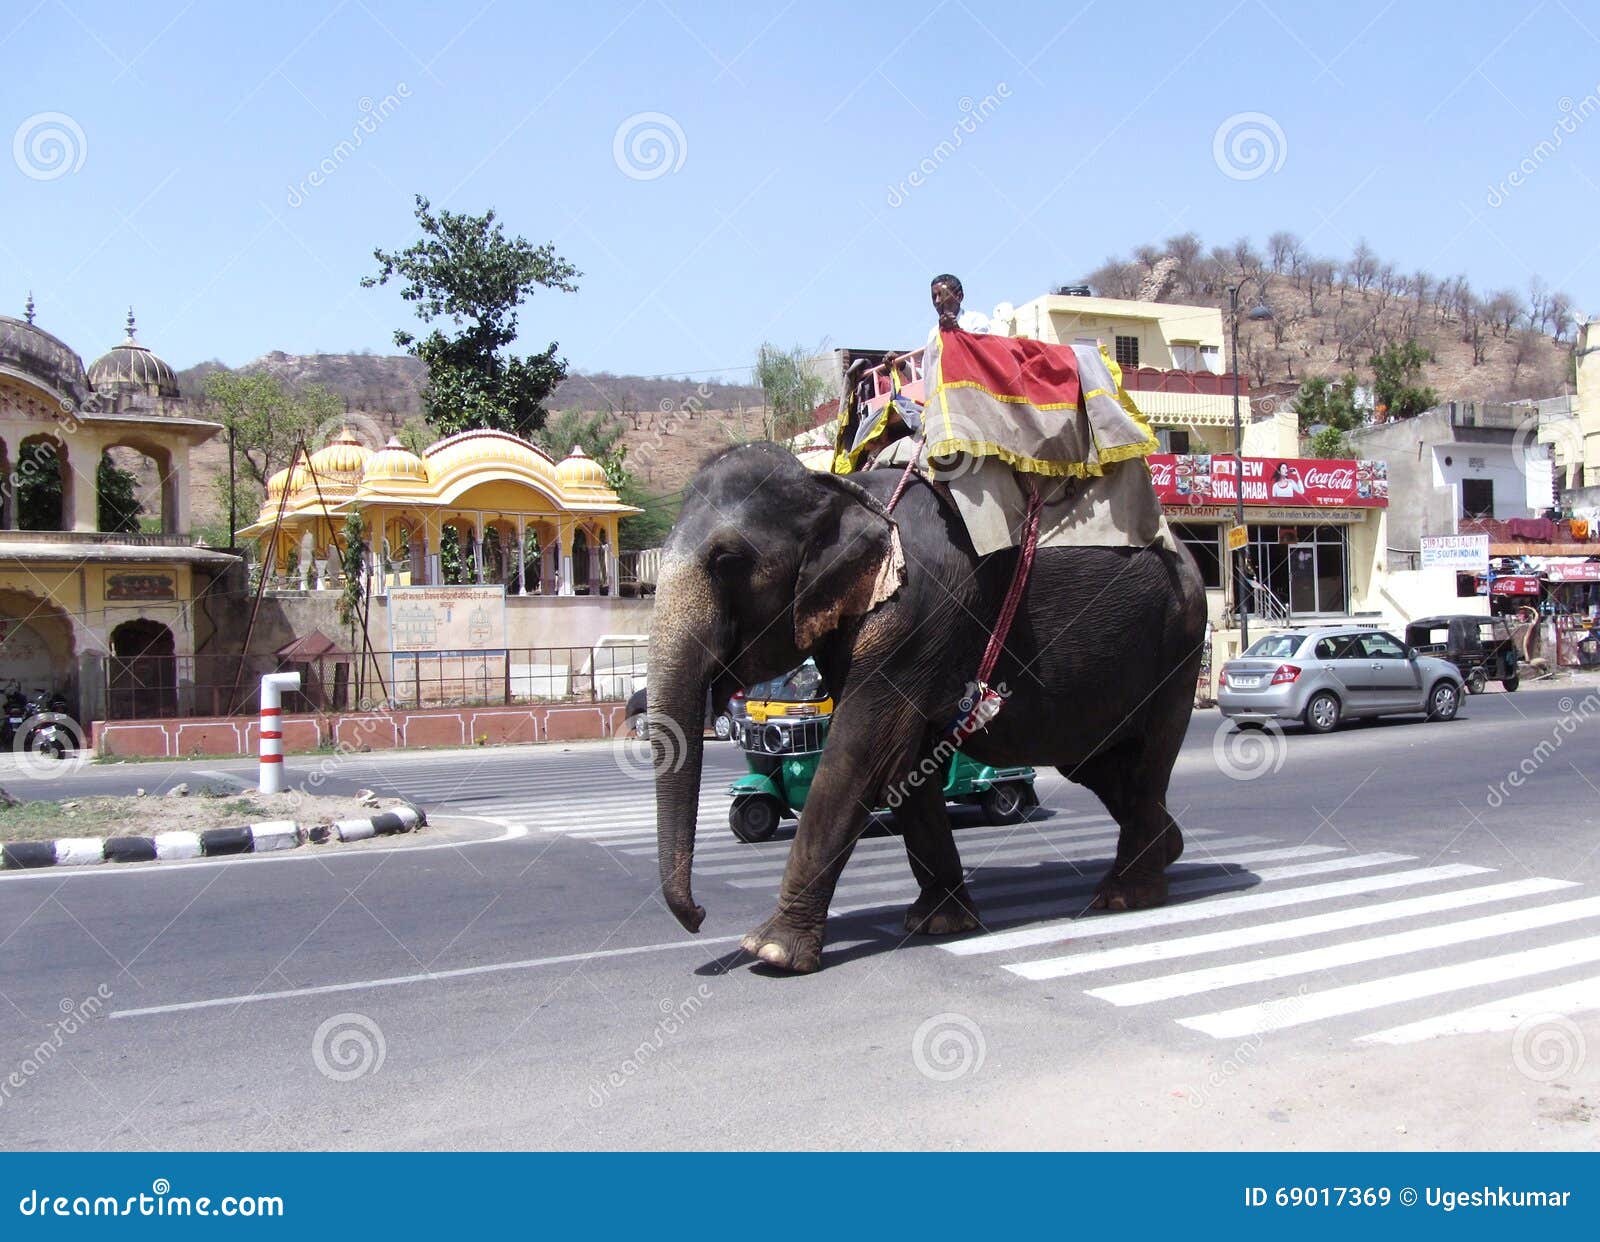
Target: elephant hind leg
<point x="1133" y="789"/>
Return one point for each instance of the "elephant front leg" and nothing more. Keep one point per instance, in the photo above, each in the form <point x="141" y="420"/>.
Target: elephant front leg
<point x="849" y="780"/>
<point x="944" y="907"/>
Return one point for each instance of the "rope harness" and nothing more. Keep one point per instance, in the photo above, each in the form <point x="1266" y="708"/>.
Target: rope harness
<point x="984" y="703"/>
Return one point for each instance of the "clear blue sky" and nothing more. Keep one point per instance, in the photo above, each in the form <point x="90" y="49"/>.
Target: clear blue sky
<point x="192" y="129"/>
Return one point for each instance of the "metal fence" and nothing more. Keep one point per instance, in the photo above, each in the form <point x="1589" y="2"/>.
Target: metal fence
<point x="163" y="687"/>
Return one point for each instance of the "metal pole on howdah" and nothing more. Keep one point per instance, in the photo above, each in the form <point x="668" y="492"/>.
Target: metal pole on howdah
<point x="272" y="687"/>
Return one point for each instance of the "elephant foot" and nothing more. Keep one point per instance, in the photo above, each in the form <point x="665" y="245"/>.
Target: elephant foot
<point x="785" y="947"/>
<point x="1173" y="838"/>
<point x="1129" y="893"/>
<point x="942" y="914"/>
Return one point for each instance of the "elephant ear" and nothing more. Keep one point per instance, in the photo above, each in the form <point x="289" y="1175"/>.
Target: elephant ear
<point x="852" y="562"/>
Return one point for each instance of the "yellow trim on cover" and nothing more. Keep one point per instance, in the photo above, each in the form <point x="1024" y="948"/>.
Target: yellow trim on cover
<point x="1014" y="400"/>
<point x="1033" y="465"/>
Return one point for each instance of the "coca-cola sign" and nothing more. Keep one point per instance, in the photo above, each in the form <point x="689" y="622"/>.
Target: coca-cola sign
<point x="1187" y="479"/>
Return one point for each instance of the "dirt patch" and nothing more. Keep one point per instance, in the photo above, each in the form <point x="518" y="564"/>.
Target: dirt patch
<point x="146" y="815"/>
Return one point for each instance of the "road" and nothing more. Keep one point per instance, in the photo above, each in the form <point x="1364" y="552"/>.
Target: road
<point x="1378" y="939"/>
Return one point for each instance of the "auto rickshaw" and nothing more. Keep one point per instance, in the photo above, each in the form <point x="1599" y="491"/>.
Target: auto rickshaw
<point x="1483" y="649"/>
<point x="783" y="755"/>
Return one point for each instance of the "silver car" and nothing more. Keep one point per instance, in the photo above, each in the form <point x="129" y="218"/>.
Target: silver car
<point x="1324" y="676"/>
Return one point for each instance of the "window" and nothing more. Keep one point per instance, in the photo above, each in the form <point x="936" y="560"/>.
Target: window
<point x="1211" y="359"/>
<point x="1127" y="351"/>
<point x="1477" y="498"/>
<point x="1205" y="545"/>
<point x="1382" y="647"/>
<point x="1336" y="648"/>
<point x="1186" y="355"/>
<point x="1172" y="440"/>
<point x="1275" y="646"/>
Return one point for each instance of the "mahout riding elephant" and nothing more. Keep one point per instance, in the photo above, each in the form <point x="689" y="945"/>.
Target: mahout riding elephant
<point x="769" y="563"/>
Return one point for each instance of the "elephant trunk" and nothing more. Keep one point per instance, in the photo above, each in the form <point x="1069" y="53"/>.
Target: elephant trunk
<point x="680" y="677"/>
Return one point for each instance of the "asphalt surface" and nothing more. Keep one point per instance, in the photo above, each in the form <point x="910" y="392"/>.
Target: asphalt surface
<point x="1377" y="939"/>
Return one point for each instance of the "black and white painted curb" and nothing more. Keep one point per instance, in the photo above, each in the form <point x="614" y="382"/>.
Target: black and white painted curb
<point x="277" y="834"/>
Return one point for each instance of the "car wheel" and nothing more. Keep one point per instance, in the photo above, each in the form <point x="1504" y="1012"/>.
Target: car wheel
<point x="755" y="817"/>
<point x="1322" y="712"/>
<point x="723" y="726"/>
<point x="1005" y="803"/>
<point x="1477" y="683"/>
<point x="638" y="726"/>
<point x="1510" y="683"/>
<point x="1443" y="701"/>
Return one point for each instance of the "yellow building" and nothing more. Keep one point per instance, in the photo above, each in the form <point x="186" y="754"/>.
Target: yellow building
<point x="101" y="618"/>
<point x="1174" y="361"/>
<point x="493" y="493"/>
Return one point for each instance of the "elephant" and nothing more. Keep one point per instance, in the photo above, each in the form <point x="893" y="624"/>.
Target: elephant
<point x="770" y="562"/>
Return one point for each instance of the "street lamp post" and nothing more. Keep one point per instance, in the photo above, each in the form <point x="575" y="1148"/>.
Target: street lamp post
<point x="1258" y="312"/>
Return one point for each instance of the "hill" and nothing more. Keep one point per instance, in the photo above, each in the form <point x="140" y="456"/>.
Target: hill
<point x="1330" y="314"/>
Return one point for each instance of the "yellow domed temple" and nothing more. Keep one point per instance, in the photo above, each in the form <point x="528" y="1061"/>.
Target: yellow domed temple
<point x="456" y="514"/>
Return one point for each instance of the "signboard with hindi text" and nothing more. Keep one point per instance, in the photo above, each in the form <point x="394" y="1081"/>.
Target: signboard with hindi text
<point x="1184" y="480"/>
<point x="449" y="644"/>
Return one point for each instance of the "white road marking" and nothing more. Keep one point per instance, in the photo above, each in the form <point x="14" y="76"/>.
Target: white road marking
<point x="1397" y="944"/>
<point x="985" y="885"/>
<point x="874" y="866"/>
<point x="1565" y="999"/>
<point x="1139" y="920"/>
<point x="1287" y="929"/>
<point x="1298" y="1009"/>
<point x="428" y="976"/>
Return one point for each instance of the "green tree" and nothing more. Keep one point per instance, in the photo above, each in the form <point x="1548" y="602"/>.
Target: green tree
<point x="1328" y="442"/>
<point x="647" y="529"/>
<point x="118" y="500"/>
<point x="465" y="270"/>
<point x="1329" y="403"/>
<point x="1397" y="385"/>
<point x="791" y="388"/>
<point x="597" y="433"/>
<point x="265" y="422"/>
<point x="350" y="599"/>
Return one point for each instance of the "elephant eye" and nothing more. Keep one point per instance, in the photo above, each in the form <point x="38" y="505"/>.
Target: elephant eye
<point x="726" y="561"/>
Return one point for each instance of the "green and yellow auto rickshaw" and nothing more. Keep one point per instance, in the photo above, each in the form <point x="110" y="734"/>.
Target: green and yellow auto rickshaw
<point x="783" y="753"/>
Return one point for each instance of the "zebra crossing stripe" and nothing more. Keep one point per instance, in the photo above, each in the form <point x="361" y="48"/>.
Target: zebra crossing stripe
<point x="900" y="866"/>
<point x="1047" y="877"/>
<point x="874" y="866"/>
<point x="1565" y="999"/>
<point x="1166" y="916"/>
<point x="1397" y="944"/>
<point x="1288" y="929"/>
<point x="1299" y="1009"/>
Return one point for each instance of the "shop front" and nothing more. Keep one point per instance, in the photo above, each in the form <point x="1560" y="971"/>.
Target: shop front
<point x="1313" y="536"/>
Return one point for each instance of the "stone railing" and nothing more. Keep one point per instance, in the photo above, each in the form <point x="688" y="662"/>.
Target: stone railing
<point x="139" y="540"/>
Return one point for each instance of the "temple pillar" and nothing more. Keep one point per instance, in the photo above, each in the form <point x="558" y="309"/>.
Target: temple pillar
<point x="566" y="534"/>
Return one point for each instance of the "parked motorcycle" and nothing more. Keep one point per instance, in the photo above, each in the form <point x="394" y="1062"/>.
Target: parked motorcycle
<point x="40" y="719"/>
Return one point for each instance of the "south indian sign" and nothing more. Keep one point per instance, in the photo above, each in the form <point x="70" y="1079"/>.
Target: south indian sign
<point x="1464" y="552"/>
